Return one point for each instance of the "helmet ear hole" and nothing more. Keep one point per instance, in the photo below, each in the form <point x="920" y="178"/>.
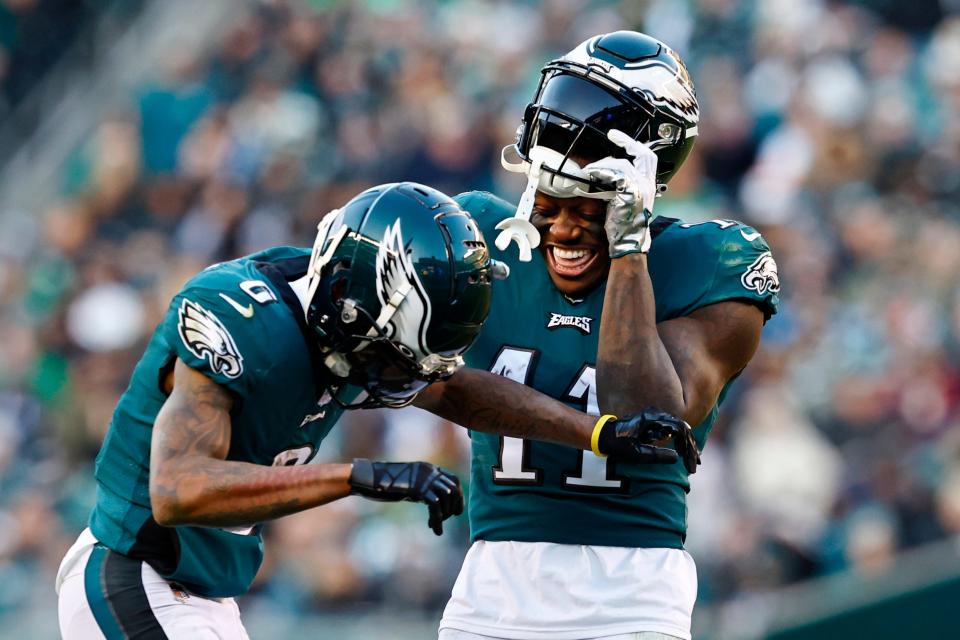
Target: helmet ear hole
<point x="338" y="290"/>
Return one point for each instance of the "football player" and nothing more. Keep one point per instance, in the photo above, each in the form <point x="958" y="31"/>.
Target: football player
<point x="612" y="312"/>
<point x="222" y="412"/>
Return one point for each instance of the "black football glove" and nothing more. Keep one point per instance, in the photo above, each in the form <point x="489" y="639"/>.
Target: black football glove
<point x="413" y="481"/>
<point x="633" y="439"/>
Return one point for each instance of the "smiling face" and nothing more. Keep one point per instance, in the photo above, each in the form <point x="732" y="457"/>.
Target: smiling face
<point x="573" y="242"/>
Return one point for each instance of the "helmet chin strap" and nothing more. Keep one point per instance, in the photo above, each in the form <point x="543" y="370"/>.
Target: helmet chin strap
<point x="542" y="171"/>
<point x="337" y="363"/>
<point x="430" y="364"/>
<point x="386" y="313"/>
<point x="518" y="228"/>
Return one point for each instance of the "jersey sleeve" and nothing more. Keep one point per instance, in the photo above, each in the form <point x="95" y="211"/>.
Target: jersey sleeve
<point x="210" y="327"/>
<point x="744" y="270"/>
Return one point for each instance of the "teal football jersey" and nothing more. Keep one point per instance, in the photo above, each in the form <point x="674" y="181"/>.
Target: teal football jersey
<point x="541" y="492"/>
<point x="240" y="324"/>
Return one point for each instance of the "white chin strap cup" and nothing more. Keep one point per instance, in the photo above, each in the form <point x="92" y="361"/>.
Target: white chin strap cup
<point x="337" y="364"/>
<point x="541" y="176"/>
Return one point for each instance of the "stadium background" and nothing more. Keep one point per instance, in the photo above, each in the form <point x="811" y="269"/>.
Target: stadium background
<point x="143" y="140"/>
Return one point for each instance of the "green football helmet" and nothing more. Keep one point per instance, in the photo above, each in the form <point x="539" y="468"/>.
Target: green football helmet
<point x="399" y="286"/>
<point x="623" y="80"/>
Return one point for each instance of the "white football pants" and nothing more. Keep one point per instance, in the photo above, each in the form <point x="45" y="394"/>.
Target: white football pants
<point x="106" y="595"/>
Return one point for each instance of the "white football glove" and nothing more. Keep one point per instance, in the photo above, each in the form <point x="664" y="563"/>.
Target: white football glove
<point x="631" y="208"/>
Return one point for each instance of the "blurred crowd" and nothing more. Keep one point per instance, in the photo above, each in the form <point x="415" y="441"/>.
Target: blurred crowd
<point x="37" y="35"/>
<point x="33" y="36"/>
<point x="833" y="127"/>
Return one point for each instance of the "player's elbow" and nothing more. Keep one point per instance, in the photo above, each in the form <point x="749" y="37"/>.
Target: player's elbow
<point x="169" y="507"/>
<point x="439" y="398"/>
<point x="166" y="512"/>
<point x="625" y="387"/>
<point x="614" y="401"/>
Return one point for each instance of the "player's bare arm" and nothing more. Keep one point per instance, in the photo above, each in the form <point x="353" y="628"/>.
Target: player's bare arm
<point x="679" y="366"/>
<point x="258" y="358"/>
<point x="491" y="403"/>
<point x="191" y="482"/>
<point x="488" y="402"/>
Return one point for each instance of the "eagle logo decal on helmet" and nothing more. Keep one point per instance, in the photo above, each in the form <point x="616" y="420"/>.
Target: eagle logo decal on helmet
<point x="405" y="306"/>
<point x="664" y="80"/>
<point x="206" y="338"/>
<point x="761" y="276"/>
<point x="670" y="89"/>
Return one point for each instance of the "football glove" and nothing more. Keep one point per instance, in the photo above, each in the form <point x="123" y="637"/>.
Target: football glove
<point x="636" y="439"/>
<point x="635" y="183"/>
<point x="412" y="481"/>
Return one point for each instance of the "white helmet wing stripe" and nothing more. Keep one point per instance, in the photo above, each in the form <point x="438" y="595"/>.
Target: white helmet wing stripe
<point x="405" y="311"/>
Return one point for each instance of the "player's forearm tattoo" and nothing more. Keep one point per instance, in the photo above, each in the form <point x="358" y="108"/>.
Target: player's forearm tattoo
<point x="191" y="483"/>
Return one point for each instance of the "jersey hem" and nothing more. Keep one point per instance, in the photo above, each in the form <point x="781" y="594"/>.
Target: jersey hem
<point x="518" y="633"/>
<point x="647" y="540"/>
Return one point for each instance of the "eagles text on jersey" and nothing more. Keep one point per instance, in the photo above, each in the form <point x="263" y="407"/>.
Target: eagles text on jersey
<point x="542" y="492"/>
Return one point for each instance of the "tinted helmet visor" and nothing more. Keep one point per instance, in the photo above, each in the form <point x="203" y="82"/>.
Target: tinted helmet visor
<point x="572" y="114"/>
<point x="585" y="101"/>
<point x="585" y="112"/>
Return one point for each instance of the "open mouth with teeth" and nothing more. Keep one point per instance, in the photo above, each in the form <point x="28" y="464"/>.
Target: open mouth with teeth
<point x="570" y="262"/>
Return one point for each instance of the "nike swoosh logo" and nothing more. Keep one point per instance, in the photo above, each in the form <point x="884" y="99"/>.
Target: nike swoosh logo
<point x="749" y="237"/>
<point x="246" y="312"/>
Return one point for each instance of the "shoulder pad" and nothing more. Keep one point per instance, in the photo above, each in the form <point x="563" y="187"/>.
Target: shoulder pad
<point x="218" y="276"/>
<point x="487" y="209"/>
<point x="721" y="228"/>
<point x="483" y="203"/>
<point x="215" y="324"/>
<point x="204" y="335"/>
<point x="738" y="257"/>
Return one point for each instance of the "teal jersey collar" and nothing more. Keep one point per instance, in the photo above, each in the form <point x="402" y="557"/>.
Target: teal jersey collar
<point x="281" y="274"/>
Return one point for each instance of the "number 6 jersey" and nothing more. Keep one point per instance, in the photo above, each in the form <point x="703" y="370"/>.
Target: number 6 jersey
<point x="240" y="324"/>
<point x="540" y="492"/>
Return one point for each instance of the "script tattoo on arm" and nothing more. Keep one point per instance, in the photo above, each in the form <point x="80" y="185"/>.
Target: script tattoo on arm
<point x="487" y="402"/>
<point x="192" y="483"/>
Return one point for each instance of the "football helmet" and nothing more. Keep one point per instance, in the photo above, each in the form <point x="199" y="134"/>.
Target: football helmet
<point x="399" y="285"/>
<point x="624" y="80"/>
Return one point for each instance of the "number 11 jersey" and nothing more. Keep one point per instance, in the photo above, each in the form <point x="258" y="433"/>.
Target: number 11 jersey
<point x="540" y="492"/>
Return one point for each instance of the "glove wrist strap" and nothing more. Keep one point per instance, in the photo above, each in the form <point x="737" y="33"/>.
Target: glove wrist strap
<point x="595" y="436"/>
<point x="619" y="252"/>
<point x="361" y="477"/>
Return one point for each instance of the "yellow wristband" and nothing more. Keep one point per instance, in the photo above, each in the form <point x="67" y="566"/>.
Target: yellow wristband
<point x="595" y="437"/>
